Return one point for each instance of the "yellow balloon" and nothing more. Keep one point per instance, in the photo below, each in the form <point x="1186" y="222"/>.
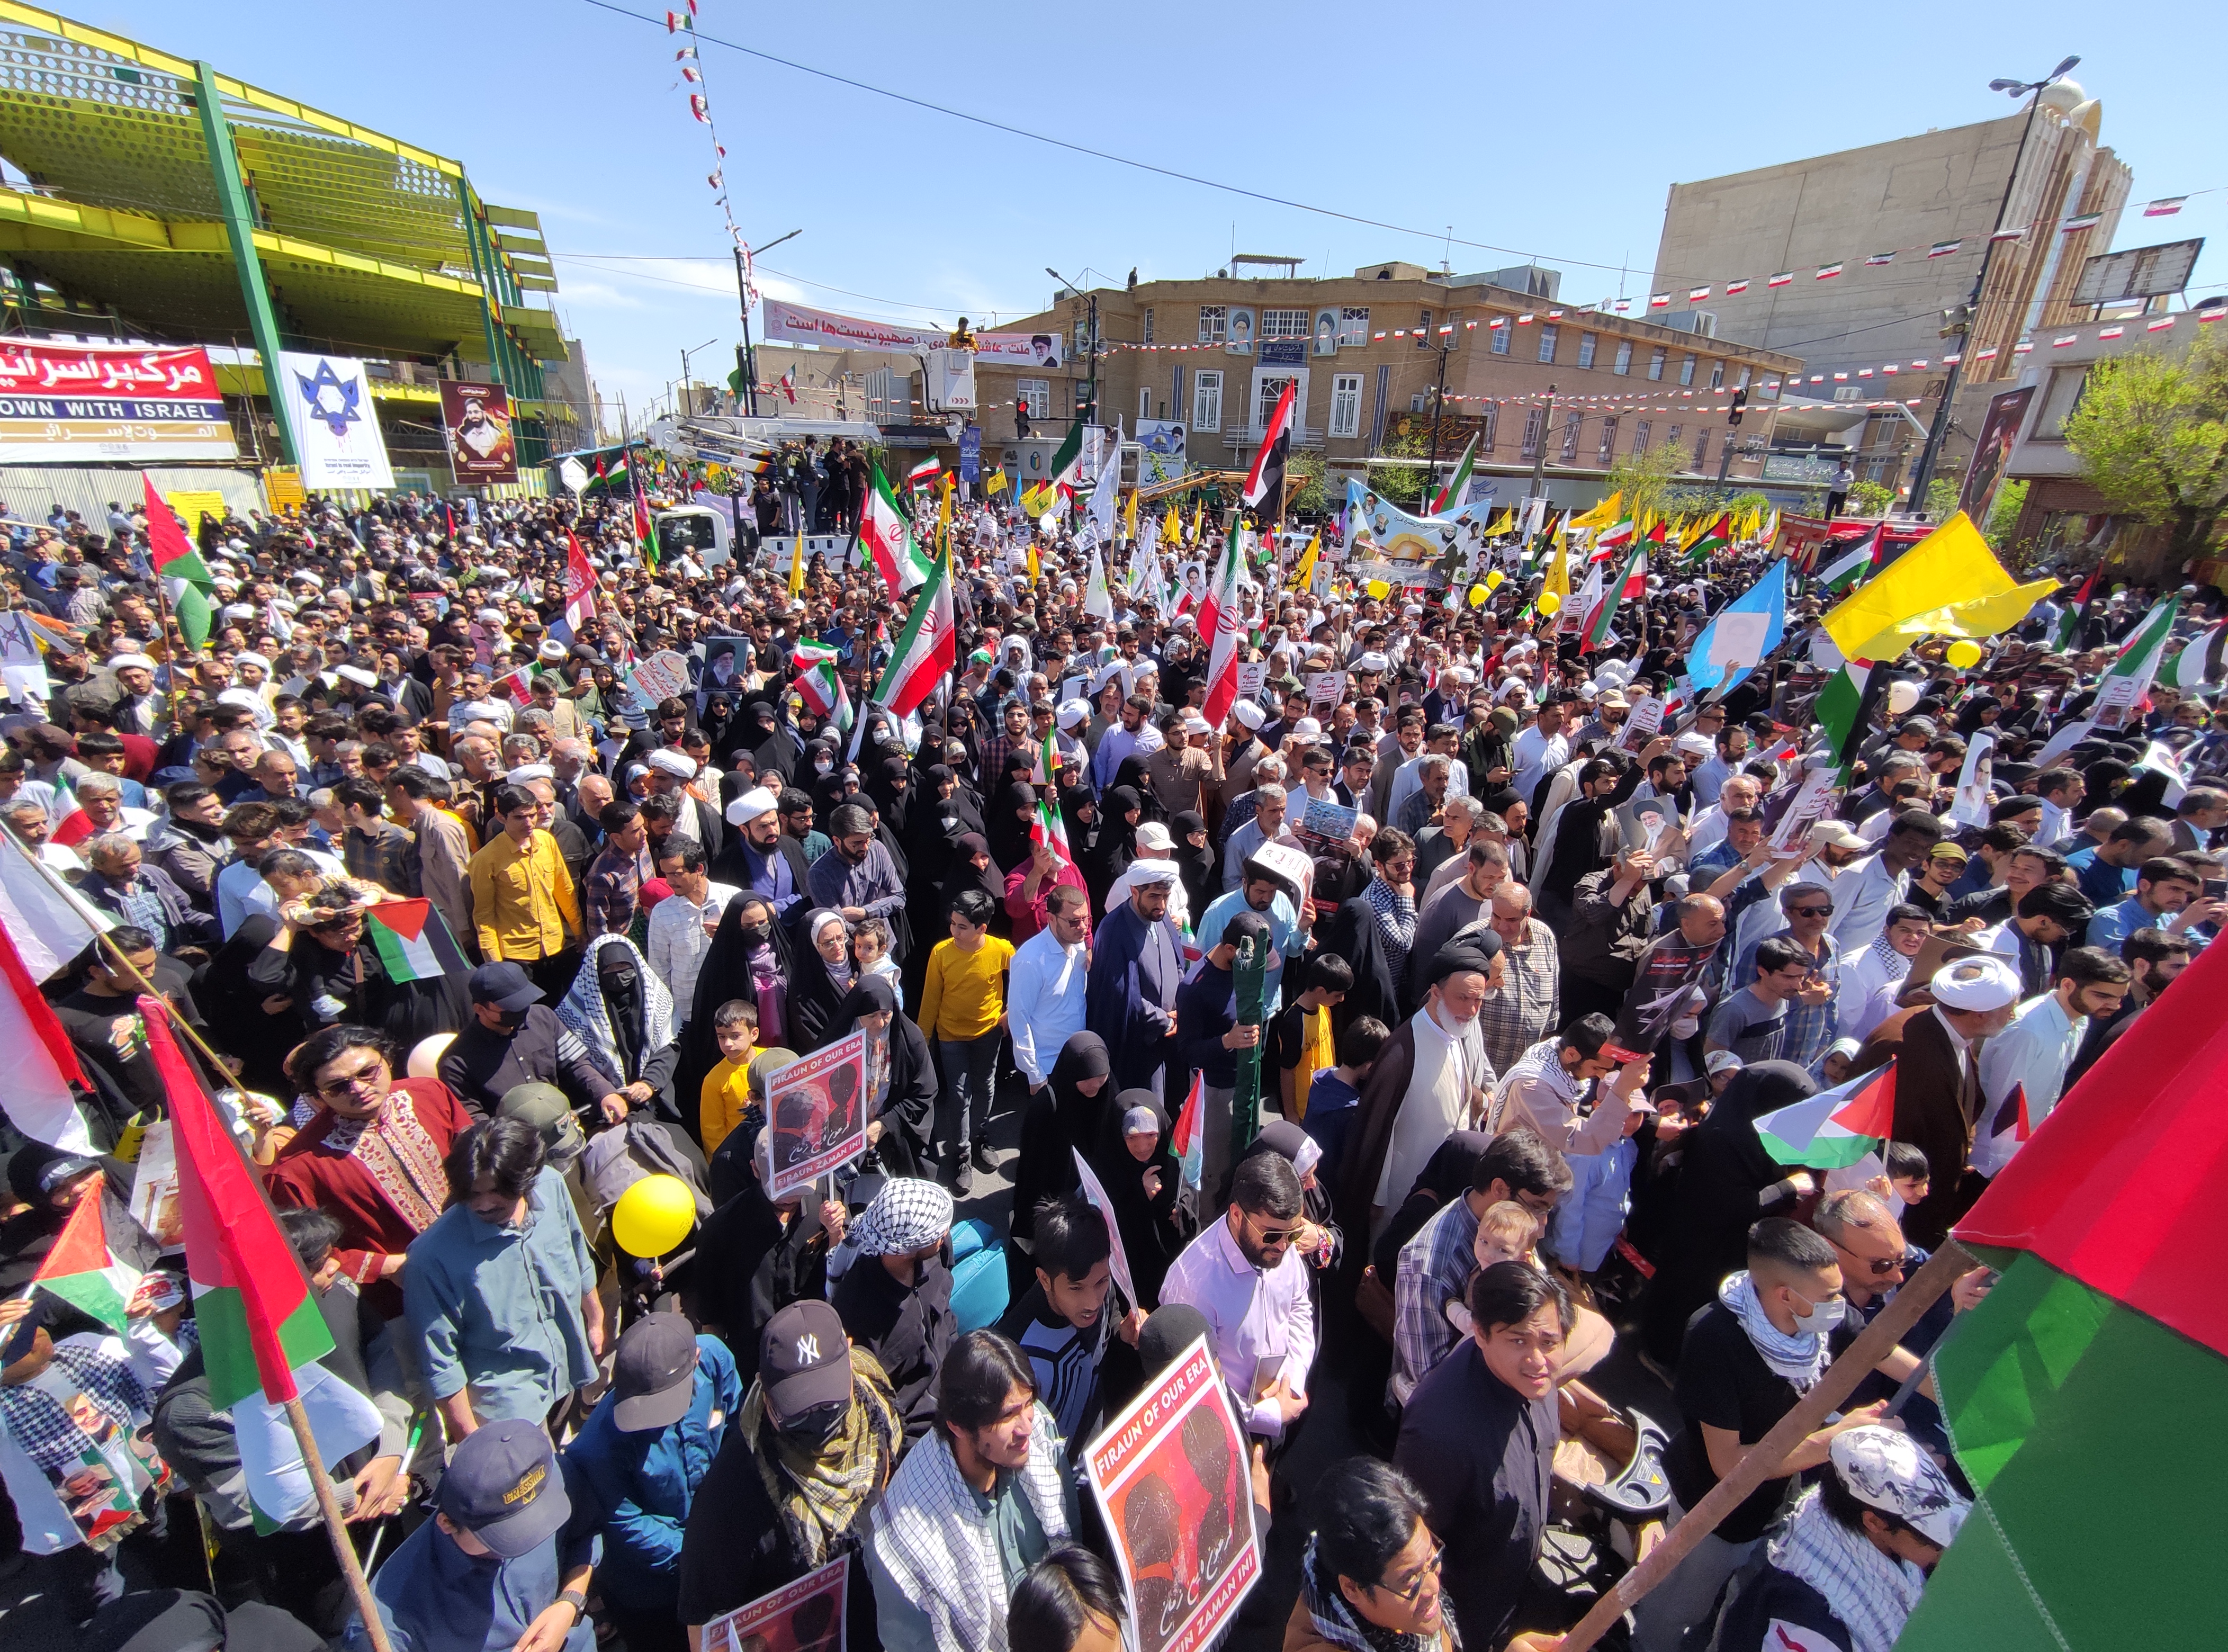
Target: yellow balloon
<point x="1493" y="579"/>
<point x="1379" y="590"/>
<point x="1964" y="654"/>
<point x="1477" y="596"/>
<point x="653" y="1216"/>
<point x="1549" y="602"/>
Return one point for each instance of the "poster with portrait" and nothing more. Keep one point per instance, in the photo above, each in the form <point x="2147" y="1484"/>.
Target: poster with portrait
<point x="816" y="1113"/>
<point x="1253" y="677"/>
<point x="1239" y="341"/>
<point x="806" y="1616"/>
<point x="1666" y="992"/>
<point x="1803" y="807"/>
<point x="1640" y="724"/>
<point x="1326" y="332"/>
<point x="1171" y="1475"/>
<point x="1325" y="690"/>
<point x="727" y="660"/>
<point x="1999" y="431"/>
<point x="476" y="419"/>
<point x="1975" y="781"/>
<point x="663" y="676"/>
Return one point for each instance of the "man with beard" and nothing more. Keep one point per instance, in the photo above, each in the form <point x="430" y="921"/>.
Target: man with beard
<point x="762" y="858"/>
<point x="857" y="878"/>
<point x="1431" y="1080"/>
<point x="1136" y="967"/>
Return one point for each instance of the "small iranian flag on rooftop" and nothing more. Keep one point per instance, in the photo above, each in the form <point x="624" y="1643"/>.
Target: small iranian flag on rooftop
<point x="1835" y="1127"/>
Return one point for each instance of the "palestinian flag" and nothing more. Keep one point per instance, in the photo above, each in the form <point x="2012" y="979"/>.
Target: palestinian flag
<point x="2144" y="652"/>
<point x="262" y="1333"/>
<point x="1055" y="492"/>
<point x="1631" y="587"/>
<point x="1842" y="706"/>
<point x="413" y="941"/>
<point x="1265" y="481"/>
<point x="927" y="648"/>
<point x="1834" y="1127"/>
<point x="618" y="469"/>
<point x="2107" y="1326"/>
<point x="2069" y="623"/>
<point x="1457" y="485"/>
<point x="2010" y="1123"/>
<point x="886" y="532"/>
<point x="2199" y="662"/>
<point x="84" y="1272"/>
<point x="645" y="535"/>
<point x="185" y="577"/>
<point x="822" y="690"/>
<point x="1709" y="537"/>
<point x="1841" y="575"/>
<point x="1188" y="1140"/>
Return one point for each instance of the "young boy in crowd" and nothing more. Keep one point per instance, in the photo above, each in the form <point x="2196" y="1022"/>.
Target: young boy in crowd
<point x="726" y="1103"/>
<point x="1507" y="1232"/>
<point x="1062" y="1320"/>
<point x="1336" y="1093"/>
<point x="1299" y="1041"/>
<point x="870" y="944"/>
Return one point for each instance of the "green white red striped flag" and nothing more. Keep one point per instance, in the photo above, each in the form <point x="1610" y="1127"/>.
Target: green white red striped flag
<point x="926" y="649"/>
<point x="1632" y="585"/>
<point x="822" y="689"/>
<point x="84" y="1272"/>
<point x="1457" y="486"/>
<point x="413" y="940"/>
<point x="886" y="532"/>
<point x="1835" y="1127"/>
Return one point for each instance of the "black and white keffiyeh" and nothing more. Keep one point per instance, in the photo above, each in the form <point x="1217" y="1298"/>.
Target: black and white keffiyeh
<point x="910" y="1212"/>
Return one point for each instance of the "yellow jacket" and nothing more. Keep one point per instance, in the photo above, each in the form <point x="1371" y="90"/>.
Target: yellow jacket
<point x="524" y="904"/>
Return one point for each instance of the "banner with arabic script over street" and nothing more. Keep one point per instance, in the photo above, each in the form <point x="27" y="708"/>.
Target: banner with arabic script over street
<point x="74" y="404"/>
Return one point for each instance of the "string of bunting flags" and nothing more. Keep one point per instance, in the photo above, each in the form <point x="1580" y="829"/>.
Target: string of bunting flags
<point x="700" y="106"/>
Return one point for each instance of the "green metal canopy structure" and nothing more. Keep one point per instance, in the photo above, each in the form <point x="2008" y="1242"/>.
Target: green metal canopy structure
<point x="188" y="207"/>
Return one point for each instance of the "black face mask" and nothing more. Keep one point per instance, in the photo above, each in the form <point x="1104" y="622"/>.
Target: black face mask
<point x="620" y="981"/>
<point x="753" y="934"/>
<point x="510" y="1020"/>
<point x="817" y="1426"/>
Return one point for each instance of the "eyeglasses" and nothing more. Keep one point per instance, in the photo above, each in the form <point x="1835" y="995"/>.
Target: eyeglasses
<point x="348" y="1084"/>
<point x="1431" y="1569"/>
<point x="1276" y="1235"/>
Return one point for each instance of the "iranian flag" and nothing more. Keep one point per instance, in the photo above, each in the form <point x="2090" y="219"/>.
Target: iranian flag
<point x="413" y="941"/>
<point x="1050" y="827"/>
<point x="822" y="690"/>
<point x="1219" y="624"/>
<point x="580" y="592"/>
<point x="1835" y="1127"/>
<point x="185" y="577"/>
<point x="37" y="1097"/>
<point x="924" y="473"/>
<point x="886" y="532"/>
<point x="1458" y="484"/>
<point x="2106" y="1326"/>
<point x="926" y="648"/>
<point x="1630" y="588"/>
<point x="262" y="1332"/>
<point x="1616" y="533"/>
<point x="72" y="825"/>
<point x="84" y="1272"/>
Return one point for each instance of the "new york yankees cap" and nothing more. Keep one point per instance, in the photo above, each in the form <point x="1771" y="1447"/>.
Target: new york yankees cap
<point x="804" y="1360"/>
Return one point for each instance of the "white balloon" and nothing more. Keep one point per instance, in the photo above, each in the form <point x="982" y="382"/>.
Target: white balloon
<point x="1902" y="696"/>
<point x="426" y="1056"/>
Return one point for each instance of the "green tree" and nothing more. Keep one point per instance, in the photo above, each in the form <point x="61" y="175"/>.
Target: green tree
<point x="1403" y="484"/>
<point x="1306" y="500"/>
<point x="2151" y="433"/>
<point x="1870" y="499"/>
<point x="1941" y="497"/>
<point x="1645" y="479"/>
<point x="2003" y="515"/>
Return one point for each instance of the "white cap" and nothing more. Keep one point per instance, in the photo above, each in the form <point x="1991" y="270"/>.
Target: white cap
<point x="759" y="800"/>
<point x="525" y="772"/>
<point x="1983" y="983"/>
<point x="1249" y="715"/>
<point x="551" y="650"/>
<point x="1073" y="713"/>
<point x="123" y="661"/>
<point x="251" y="658"/>
<point x="357" y="675"/>
<point x="1372" y="661"/>
<point x="665" y="760"/>
<point x="1307" y="729"/>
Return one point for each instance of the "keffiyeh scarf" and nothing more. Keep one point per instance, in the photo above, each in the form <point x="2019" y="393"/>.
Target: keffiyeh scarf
<point x="1871" y="1592"/>
<point x="1334" y="1618"/>
<point x="821" y="1490"/>
<point x="582" y="1012"/>
<point x="940" y="1546"/>
<point x="1799" y="1357"/>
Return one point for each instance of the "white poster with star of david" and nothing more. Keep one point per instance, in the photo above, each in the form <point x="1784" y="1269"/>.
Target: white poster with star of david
<point x="329" y="397"/>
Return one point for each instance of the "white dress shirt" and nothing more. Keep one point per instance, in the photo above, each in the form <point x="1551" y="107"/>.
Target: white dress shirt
<point x="1044" y="987"/>
<point x="680" y="935"/>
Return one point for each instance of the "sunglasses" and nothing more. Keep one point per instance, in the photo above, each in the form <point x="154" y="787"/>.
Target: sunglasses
<point x="1810" y="911"/>
<point x="1876" y="1264"/>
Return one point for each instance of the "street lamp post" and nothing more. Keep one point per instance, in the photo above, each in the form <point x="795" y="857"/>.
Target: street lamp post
<point x="1938" y="429"/>
<point x="745" y="359"/>
<point x="1439" y="405"/>
<point x="685" y="355"/>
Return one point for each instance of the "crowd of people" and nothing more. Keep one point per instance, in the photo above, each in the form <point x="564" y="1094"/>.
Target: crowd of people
<point x="1510" y="1045"/>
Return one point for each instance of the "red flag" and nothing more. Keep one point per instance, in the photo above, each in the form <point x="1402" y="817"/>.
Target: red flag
<point x="1268" y="472"/>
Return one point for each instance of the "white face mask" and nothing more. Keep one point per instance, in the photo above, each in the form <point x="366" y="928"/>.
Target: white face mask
<point x="1823" y="1317"/>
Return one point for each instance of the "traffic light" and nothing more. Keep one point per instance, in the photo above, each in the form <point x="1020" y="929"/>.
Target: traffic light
<point x="1021" y="420"/>
<point x="1733" y="413"/>
<point x="1083" y="399"/>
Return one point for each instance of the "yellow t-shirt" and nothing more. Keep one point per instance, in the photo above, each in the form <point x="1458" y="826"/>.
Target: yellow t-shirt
<point x="726" y="1098"/>
<point x="965" y="993"/>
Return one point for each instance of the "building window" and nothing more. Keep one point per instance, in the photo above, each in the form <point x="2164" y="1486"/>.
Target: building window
<point x="2060" y="397"/>
<point x="1144" y="402"/>
<point x="1501" y="338"/>
<point x="1149" y="325"/>
<point x="1547" y="335"/>
<point x="1034" y="394"/>
<point x="1640" y="437"/>
<point x="1271" y="390"/>
<point x="1206" y="399"/>
<point x="1687" y="370"/>
<point x="1286" y="323"/>
<point x="1571" y="426"/>
<point x="1419" y="402"/>
<point x="1623" y="357"/>
<point x="1346" y="404"/>
<point x="1702" y="449"/>
<point x="1492" y="422"/>
<point x="1586" y="343"/>
<point x="1352" y="326"/>
<point x="1213" y="323"/>
<point x="1534" y="419"/>
<point x="1717" y="376"/>
<point x="1656" y="357"/>
<point x="1741" y="383"/>
<point x="1607" y="451"/>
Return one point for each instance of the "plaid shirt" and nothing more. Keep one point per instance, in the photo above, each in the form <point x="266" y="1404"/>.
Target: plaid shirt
<point x="1435" y="1267"/>
<point x="1811" y="1028"/>
<point x="998" y="750"/>
<point x="613" y="890"/>
<point x="1396" y="922"/>
<point x="152" y="902"/>
<point x="1527" y="1005"/>
<point x="43" y="1429"/>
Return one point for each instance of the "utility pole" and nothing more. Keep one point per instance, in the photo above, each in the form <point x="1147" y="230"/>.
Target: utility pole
<point x="746" y="361"/>
<point x="1091" y="413"/>
<point x="1540" y="456"/>
<point x="1960" y="327"/>
<point x="1438" y="405"/>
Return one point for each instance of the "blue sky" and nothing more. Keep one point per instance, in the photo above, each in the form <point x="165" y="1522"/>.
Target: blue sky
<point x="1553" y="137"/>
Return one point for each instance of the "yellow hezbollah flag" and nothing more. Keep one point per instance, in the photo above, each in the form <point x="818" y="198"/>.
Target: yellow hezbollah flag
<point x="1559" y="577"/>
<point x="996" y="482"/>
<point x="1129" y="516"/>
<point x="1305" y="569"/>
<point x="797" y="567"/>
<point x="1504" y="523"/>
<point x="1035" y="573"/>
<point x="1172" y="528"/>
<point x="1602" y="515"/>
<point x="1198" y="521"/>
<point x="1948" y="584"/>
